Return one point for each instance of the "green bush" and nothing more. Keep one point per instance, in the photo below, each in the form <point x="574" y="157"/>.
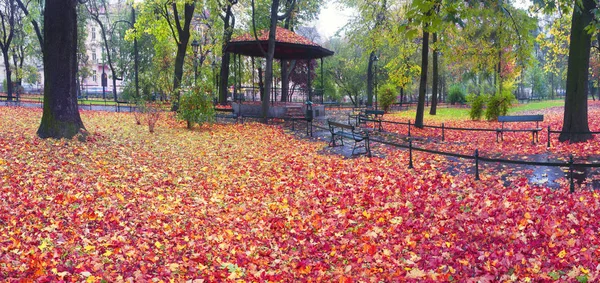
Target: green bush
<point x="499" y="104"/>
<point x="477" y="102"/>
<point x="387" y="96"/>
<point x="196" y="106"/>
<point x="456" y="94"/>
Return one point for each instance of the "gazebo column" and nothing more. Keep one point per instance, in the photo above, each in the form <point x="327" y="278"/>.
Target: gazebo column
<point x="309" y="82"/>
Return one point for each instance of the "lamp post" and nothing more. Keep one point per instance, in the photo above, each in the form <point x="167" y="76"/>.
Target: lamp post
<point x="136" y="55"/>
<point x="214" y="70"/>
<point x="195" y="47"/>
<point x="375" y="80"/>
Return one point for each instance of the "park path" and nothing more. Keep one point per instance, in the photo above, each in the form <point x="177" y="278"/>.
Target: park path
<point x="553" y="177"/>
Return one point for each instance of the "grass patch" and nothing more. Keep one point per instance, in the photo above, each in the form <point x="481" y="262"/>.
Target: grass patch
<point x="540" y="105"/>
<point x="443" y="114"/>
<point x="462" y="114"/>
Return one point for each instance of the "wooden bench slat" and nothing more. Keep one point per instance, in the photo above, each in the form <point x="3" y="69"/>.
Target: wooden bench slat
<point x="521" y="118"/>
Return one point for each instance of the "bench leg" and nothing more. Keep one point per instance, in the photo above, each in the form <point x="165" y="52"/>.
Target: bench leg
<point x="368" y="147"/>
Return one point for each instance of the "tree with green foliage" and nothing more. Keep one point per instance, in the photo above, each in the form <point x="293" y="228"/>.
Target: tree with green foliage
<point x="554" y="43"/>
<point x="34" y="12"/>
<point x="174" y="19"/>
<point x="369" y="30"/>
<point x="346" y="69"/>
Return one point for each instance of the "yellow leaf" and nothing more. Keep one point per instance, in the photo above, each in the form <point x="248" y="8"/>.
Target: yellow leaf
<point x="160" y="197"/>
<point x="416" y="273"/>
<point x="562" y="254"/>
<point x="43" y="246"/>
<point x="107" y="253"/>
<point x="120" y="197"/>
<point x="584" y="271"/>
<point x="91" y="279"/>
<point x="158" y="245"/>
<point x="173" y="267"/>
<point x="89" y="248"/>
<point x="366" y="214"/>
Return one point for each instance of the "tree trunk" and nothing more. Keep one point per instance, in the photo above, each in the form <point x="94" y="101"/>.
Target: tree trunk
<point x="269" y="59"/>
<point x="60" y="117"/>
<point x="436" y="77"/>
<point x="178" y="75"/>
<point x="224" y="74"/>
<point x="286" y="68"/>
<point x="423" y="83"/>
<point x="576" y="106"/>
<point x="9" y="85"/>
<point x="370" y="79"/>
<point x="401" y="96"/>
<point x="182" y="44"/>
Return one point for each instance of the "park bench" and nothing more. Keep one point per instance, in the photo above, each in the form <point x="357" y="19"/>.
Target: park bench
<point x="353" y="117"/>
<point x="340" y="131"/>
<point x="225" y="114"/>
<point x="520" y="118"/>
<point x="374" y="116"/>
<point x="5" y="98"/>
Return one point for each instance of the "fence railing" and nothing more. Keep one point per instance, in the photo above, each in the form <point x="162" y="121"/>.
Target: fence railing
<point x="476" y="157"/>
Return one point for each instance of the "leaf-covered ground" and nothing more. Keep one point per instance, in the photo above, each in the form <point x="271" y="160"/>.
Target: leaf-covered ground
<point x="253" y="203"/>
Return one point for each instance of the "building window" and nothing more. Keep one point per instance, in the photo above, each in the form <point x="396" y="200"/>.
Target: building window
<point x="93" y="33"/>
<point x="94" y="57"/>
<point x="94" y="76"/>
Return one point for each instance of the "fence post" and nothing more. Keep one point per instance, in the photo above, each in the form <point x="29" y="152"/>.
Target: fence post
<point x="571" y="185"/>
<point x="293" y="124"/>
<point x="442" y="131"/>
<point x="477" y="164"/>
<point x="548" y="136"/>
<point x="410" y="157"/>
<point x="409" y="128"/>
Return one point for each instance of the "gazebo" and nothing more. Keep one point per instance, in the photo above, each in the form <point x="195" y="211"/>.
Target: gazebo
<point x="288" y="46"/>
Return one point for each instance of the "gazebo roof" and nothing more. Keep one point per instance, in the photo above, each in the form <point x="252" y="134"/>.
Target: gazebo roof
<point x="288" y="46"/>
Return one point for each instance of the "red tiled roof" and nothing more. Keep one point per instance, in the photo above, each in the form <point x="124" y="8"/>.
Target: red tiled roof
<point x="282" y="35"/>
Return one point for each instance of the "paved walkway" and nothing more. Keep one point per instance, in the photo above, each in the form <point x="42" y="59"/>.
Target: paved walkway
<point x="552" y="177"/>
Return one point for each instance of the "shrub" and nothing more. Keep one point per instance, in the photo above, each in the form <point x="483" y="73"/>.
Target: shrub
<point x="387" y="96"/>
<point x="499" y="104"/>
<point x="152" y="116"/>
<point x="139" y="111"/>
<point x="477" y="102"/>
<point x="456" y="94"/>
<point x="196" y="106"/>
